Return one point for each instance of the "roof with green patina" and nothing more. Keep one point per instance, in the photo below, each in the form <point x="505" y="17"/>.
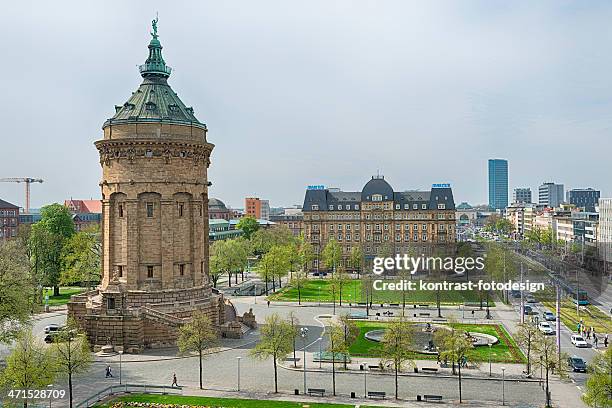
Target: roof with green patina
<point x="154" y="100"/>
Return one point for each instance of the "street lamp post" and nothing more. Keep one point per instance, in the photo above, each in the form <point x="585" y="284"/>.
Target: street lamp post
<point x="365" y="380"/>
<point x="490" y="359"/>
<point x="238" y="358"/>
<point x="503" y="385"/>
<point x="303" y="334"/>
<point x="319" y="295"/>
<point x="120" y="366"/>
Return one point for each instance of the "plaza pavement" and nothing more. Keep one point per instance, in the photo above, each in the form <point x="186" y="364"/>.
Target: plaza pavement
<point x="221" y="369"/>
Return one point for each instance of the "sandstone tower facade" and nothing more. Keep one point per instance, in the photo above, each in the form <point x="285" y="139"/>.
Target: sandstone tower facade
<point x="154" y="156"/>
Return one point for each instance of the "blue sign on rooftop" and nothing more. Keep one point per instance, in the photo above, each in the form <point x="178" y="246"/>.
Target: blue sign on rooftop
<point x="316" y="187"/>
<point x="440" y="185"/>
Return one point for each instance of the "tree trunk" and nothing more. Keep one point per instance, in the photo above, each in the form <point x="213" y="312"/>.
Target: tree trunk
<point x="229" y="280"/>
<point x="294" y="359"/>
<point x="266" y="286"/>
<point x="70" y="386"/>
<point x="299" y="289"/>
<point x="396" y="379"/>
<point x="438" y="303"/>
<point x="275" y="377"/>
<point x="340" y="293"/>
<point x="200" y="351"/>
<point x="547" y="390"/>
<point x="460" y="382"/>
<point x="273" y="284"/>
<point x="333" y="372"/>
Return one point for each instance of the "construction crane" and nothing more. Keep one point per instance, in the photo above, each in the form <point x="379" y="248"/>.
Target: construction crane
<point x="27" y="181"/>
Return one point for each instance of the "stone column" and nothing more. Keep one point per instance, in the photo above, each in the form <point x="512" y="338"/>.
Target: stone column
<point x="131" y="246"/>
<point x="167" y="243"/>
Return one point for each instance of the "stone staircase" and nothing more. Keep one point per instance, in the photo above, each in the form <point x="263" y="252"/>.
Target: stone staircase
<point x="161" y="317"/>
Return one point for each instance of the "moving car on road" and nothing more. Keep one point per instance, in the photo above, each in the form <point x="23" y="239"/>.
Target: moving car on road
<point x="549" y="316"/>
<point x="545" y="328"/>
<point x="527" y="310"/>
<point x="52" y="328"/>
<point x="578" y="341"/>
<point x="577" y="364"/>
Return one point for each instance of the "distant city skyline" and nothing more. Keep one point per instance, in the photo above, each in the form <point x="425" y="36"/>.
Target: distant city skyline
<point x="373" y="88"/>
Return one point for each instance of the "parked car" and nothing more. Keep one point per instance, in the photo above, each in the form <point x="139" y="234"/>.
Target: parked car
<point x="50" y="338"/>
<point x="527" y="310"/>
<point x="545" y="328"/>
<point x="578" y="341"/>
<point x="577" y="364"/>
<point x="52" y="328"/>
<point x="549" y="316"/>
<point x="515" y="294"/>
<point x="530" y="299"/>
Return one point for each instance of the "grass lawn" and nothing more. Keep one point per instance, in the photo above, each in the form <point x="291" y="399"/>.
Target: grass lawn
<point x="353" y="292"/>
<point x="217" y="402"/>
<point x="505" y="351"/>
<point x="592" y="316"/>
<point x="63" y="297"/>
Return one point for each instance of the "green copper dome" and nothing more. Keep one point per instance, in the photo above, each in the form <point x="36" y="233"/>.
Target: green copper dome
<point x="154" y="100"/>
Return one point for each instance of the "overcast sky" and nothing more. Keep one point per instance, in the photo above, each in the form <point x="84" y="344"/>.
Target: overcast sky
<point x="318" y="92"/>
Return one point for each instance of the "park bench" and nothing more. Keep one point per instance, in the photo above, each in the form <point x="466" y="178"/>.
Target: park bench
<point x="374" y="367"/>
<point x="316" y="391"/>
<point x="424" y="314"/>
<point x="432" y="397"/>
<point x="424" y="306"/>
<point x="377" y="394"/>
<point x="292" y="359"/>
<point x="429" y="370"/>
<point x="394" y="304"/>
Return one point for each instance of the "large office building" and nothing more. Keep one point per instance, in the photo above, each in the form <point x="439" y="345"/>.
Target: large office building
<point x="498" y="184"/>
<point x="585" y="198"/>
<point x="379" y="219"/>
<point x="550" y="194"/>
<point x="521" y="195"/>
<point x="257" y="208"/>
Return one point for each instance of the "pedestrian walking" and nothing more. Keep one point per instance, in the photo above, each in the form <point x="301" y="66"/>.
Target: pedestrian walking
<point x="578" y="328"/>
<point x="174" y="381"/>
<point x="595" y="340"/>
<point x="268" y="303"/>
<point x="109" y="372"/>
<point x="588" y="333"/>
<point x="606" y="341"/>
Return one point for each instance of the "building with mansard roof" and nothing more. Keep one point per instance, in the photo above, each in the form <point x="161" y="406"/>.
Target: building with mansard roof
<point x="379" y="219"/>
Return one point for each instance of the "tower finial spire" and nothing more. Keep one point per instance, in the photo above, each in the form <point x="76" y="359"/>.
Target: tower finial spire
<point x="154" y="25"/>
<point x="155" y="66"/>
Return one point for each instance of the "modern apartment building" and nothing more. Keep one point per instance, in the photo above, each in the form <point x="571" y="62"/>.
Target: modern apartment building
<point x="498" y="184"/>
<point x="550" y="194"/>
<point x="604" y="230"/>
<point x="9" y="220"/>
<point x="521" y="195"/>
<point x="258" y="208"/>
<point x="585" y="198"/>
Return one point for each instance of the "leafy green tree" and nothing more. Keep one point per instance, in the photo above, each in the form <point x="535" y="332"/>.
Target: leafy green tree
<point x="15" y="288"/>
<point x="264" y="239"/>
<point x="275" y="343"/>
<point x="338" y="281"/>
<point x="70" y="353"/>
<point x="294" y="322"/>
<point x="453" y="345"/>
<point x="81" y="255"/>
<point x="546" y="350"/>
<point x="396" y="347"/>
<point x="199" y="335"/>
<point x="356" y="258"/>
<point x="599" y="383"/>
<point x="28" y="367"/>
<point x="307" y="254"/>
<point x="215" y="268"/>
<point x="248" y="225"/>
<point x="299" y="280"/>
<point x="332" y="254"/>
<point x="335" y="345"/>
<point x="528" y="337"/>
<point x="274" y="264"/>
<point x="350" y="332"/>
<point x="50" y="235"/>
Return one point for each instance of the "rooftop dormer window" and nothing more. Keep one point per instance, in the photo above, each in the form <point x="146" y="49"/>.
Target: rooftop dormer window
<point x="150" y="106"/>
<point x="377" y="197"/>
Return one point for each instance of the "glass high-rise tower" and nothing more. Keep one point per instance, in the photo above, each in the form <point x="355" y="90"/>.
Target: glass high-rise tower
<point x="498" y="184"/>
